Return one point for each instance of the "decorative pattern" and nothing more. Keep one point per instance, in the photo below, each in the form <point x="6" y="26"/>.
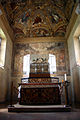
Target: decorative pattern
<point x="40" y="96"/>
<point x="40" y="80"/>
<point x="38" y="18"/>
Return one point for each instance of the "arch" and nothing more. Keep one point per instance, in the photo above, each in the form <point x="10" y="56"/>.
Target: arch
<point x="77" y="45"/>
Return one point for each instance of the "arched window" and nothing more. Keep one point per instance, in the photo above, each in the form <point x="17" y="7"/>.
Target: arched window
<point x="52" y="63"/>
<point x="26" y="65"/>
<point x="2" y="48"/>
<point x="77" y="45"/>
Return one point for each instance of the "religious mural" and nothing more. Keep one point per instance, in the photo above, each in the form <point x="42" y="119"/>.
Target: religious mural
<point x="38" y="18"/>
<point x="39" y="49"/>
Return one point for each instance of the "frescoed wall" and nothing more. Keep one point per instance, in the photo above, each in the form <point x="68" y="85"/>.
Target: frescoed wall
<point x="56" y="48"/>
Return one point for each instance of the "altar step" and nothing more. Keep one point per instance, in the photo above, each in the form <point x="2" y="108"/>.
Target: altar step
<point x="38" y="108"/>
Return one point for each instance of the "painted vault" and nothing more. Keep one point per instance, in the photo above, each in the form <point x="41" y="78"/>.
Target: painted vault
<point x="38" y="18"/>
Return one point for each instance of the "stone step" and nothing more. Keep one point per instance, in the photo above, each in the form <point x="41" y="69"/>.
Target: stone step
<point x="39" y="108"/>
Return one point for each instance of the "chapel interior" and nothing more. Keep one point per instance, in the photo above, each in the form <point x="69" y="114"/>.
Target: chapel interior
<point x="40" y="51"/>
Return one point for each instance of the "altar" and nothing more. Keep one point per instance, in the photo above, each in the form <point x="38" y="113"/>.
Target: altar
<point x="40" y="93"/>
<point x="40" y="88"/>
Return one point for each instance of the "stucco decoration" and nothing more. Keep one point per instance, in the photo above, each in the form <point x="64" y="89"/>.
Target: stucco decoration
<point x="38" y="18"/>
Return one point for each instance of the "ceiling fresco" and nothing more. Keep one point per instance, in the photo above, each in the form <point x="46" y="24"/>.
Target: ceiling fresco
<point x="38" y="18"/>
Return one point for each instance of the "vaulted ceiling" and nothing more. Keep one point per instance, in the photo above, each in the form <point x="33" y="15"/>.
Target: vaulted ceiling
<point x="38" y="18"/>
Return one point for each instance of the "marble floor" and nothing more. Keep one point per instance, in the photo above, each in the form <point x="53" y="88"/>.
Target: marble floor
<point x="5" y="115"/>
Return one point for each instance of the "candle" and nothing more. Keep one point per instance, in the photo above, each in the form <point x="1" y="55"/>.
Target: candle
<point x="65" y="78"/>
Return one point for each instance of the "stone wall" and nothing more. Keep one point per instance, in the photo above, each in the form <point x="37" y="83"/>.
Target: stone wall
<point x="5" y="71"/>
<point x="74" y="57"/>
<point x="5" y="74"/>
